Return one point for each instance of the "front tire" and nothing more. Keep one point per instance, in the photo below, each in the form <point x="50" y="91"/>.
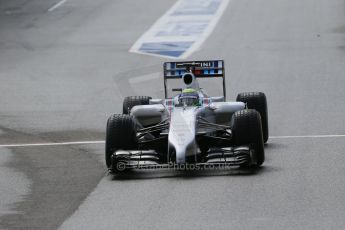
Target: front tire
<point x="257" y="101"/>
<point x="247" y="129"/>
<point x="131" y="101"/>
<point x="120" y="134"/>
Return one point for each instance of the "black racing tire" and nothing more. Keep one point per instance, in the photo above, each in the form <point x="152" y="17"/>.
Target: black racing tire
<point x="131" y="101"/>
<point x="120" y="134"/>
<point x="247" y="130"/>
<point x="257" y="101"/>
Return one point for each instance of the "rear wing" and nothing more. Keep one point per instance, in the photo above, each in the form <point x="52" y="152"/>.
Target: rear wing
<point x="200" y="69"/>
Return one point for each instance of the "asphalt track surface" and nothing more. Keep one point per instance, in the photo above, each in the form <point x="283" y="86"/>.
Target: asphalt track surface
<point x="64" y="71"/>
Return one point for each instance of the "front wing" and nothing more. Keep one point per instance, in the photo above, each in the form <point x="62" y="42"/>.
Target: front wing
<point x="215" y="158"/>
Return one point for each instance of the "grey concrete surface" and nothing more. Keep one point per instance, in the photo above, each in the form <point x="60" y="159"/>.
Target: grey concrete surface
<point x="14" y="185"/>
<point x="292" y="191"/>
<point x="64" y="72"/>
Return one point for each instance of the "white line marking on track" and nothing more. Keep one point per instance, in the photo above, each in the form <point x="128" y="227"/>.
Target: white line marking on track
<point x="53" y="144"/>
<point x="102" y="142"/>
<point x="182" y="29"/>
<point x="57" y="5"/>
<point x="306" y="136"/>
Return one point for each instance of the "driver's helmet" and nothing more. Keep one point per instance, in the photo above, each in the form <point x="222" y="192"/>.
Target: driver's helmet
<point x="189" y="97"/>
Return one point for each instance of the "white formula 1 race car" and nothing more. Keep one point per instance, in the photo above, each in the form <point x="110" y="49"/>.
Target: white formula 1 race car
<point x="189" y="130"/>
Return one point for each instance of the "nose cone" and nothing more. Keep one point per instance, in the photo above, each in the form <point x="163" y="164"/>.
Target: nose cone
<point x="182" y="133"/>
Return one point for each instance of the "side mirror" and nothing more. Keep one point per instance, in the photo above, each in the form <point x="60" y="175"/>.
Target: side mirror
<point x="177" y="90"/>
<point x="155" y="101"/>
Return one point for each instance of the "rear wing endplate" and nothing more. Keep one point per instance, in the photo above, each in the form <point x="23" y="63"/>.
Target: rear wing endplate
<point x="200" y="69"/>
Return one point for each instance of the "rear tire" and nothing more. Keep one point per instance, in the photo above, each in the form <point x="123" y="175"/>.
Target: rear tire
<point x="247" y="129"/>
<point x="131" y="101"/>
<point x="120" y="134"/>
<point x="257" y="101"/>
